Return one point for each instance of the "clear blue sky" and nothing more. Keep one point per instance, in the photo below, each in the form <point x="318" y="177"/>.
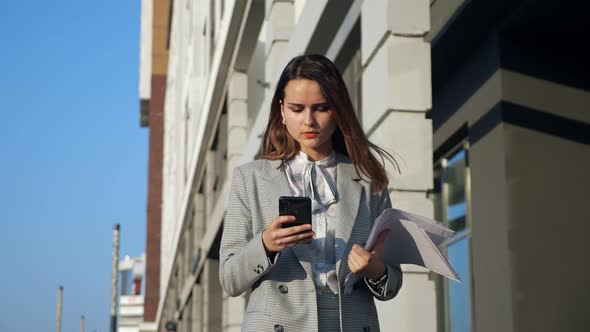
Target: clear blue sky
<point x="73" y="157"/>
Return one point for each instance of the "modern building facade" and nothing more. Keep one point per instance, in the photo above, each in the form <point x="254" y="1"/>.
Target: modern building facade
<point x="511" y="131"/>
<point x="152" y="90"/>
<point x="485" y="105"/>
<point x="131" y="294"/>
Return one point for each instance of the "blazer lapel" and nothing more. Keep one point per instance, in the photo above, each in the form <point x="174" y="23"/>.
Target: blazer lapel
<point x="278" y="186"/>
<point x="349" y="191"/>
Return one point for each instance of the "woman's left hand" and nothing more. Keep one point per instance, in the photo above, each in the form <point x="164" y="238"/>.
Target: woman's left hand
<point x="368" y="264"/>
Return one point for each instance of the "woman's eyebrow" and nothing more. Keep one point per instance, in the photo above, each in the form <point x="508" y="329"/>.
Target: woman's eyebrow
<point x="313" y="105"/>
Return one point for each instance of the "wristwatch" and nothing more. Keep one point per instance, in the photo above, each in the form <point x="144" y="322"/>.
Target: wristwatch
<point x="378" y="285"/>
<point x="379" y="282"/>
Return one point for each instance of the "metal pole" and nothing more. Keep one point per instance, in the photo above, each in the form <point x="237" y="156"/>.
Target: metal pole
<point x="114" y="276"/>
<point x="60" y="292"/>
<point x="82" y="323"/>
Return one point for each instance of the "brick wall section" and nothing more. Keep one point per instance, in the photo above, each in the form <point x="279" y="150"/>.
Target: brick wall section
<point x="154" y="199"/>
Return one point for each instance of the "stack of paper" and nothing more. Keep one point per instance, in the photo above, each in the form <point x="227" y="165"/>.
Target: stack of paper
<point x="412" y="239"/>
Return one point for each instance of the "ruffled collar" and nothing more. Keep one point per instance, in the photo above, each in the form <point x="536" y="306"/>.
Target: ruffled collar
<point x="315" y="185"/>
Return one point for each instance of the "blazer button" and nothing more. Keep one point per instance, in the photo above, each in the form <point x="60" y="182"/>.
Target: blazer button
<point x="283" y="289"/>
<point x="279" y="328"/>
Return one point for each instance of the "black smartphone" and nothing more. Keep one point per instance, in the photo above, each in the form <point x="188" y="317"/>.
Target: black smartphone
<point x="300" y="207"/>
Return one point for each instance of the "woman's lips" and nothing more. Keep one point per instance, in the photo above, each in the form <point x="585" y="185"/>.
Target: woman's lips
<point x="310" y="134"/>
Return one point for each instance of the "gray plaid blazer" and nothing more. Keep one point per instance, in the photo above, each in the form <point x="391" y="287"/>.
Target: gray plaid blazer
<point x="283" y="296"/>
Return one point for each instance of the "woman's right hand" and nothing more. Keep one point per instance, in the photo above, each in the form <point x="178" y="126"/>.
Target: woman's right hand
<point x="276" y="239"/>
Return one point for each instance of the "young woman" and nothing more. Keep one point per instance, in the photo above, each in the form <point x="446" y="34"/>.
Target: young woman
<point x="313" y="146"/>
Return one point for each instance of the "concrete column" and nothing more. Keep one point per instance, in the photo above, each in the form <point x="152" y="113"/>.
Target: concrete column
<point x="237" y="128"/>
<point x="491" y="234"/>
<point x="212" y="297"/>
<point x="237" y="136"/>
<point x="298" y="7"/>
<point x="205" y="302"/>
<point x="396" y="95"/>
<point x="237" y="119"/>
<point x="280" y="19"/>
<point x="197" y="308"/>
<point x="233" y="312"/>
<point x="199" y="230"/>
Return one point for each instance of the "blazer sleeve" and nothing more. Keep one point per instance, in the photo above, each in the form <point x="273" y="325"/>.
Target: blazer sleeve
<point x="394" y="273"/>
<point x="242" y="256"/>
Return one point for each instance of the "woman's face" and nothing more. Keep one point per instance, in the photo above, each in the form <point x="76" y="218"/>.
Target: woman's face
<point x="308" y="117"/>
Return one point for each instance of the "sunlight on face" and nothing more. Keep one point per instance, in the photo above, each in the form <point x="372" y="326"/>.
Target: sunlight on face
<point x="308" y="117"/>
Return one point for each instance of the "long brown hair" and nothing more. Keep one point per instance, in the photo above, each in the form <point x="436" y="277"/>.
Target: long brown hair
<point x="348" y="138"/>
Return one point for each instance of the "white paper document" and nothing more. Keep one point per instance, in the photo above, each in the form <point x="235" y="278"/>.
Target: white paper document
<point x="412" y="239"/>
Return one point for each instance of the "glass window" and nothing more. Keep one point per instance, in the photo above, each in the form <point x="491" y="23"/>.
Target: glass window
<point x="451" y="198"/>
<point x="126" y="282"/>
<point x="454" y="181"/>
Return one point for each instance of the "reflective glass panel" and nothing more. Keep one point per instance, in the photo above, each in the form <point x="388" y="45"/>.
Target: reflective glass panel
<point x="459" y="311"/>
<point x="454" y="178"/>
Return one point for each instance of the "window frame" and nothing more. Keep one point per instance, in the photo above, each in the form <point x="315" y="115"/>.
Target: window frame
<point x="443" y="284"/>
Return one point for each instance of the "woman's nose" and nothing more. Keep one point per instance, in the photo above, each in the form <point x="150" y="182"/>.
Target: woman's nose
<point x="309" y="118"/>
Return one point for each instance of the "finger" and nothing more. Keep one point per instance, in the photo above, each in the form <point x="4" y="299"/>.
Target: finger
<point x="306" y="240"/>
<point x="295" y="238"/>
<point x="289" y="231"/>
<point x="357" y="247"/>
<point x="297" y="229"/>
<point x="361" y="252"/>
<point x="352" y="266"/>
<point x="353" y="263"/>
<point x="279" y="220"/>
<point x="303" y="241"/>
<point x="358" y="261"/>
<point x="305" y="237"/>
<point x="355" y="266"/>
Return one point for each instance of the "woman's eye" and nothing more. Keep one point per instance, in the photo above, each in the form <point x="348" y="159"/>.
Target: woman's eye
<point x="322" y="109"/>
<point x="297" y="110"/>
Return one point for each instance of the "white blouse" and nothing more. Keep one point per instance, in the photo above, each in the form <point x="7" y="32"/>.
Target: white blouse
<point x="317" y="180"/>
